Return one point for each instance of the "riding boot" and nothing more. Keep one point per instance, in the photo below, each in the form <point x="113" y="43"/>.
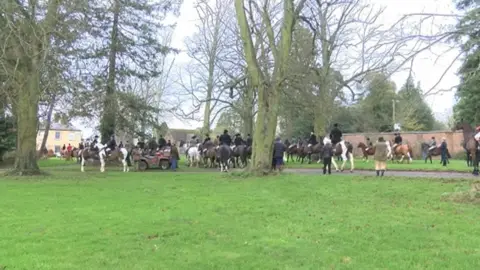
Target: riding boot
<point x="378" y="172"/>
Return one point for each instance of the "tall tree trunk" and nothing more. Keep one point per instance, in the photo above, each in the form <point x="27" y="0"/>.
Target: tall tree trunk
<point x="264" y="133"/>
<point x="43" y="146"/>
<point x="268" y="91"/>
<point x="208" y="110"/>
<point x="110" y="104"/>
<point x="27" y="121"/>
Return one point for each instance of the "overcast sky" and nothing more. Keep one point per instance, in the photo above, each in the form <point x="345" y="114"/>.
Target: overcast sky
<point x="428" y="68"/>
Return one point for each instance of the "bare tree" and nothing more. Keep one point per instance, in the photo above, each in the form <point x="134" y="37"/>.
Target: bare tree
<point x="202" y="80"/>
<point x="351" y="44"/>
<point x="267" y="82"/>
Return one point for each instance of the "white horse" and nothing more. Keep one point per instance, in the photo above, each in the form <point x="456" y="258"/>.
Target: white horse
<point x="193" y="155"/>
<point x="389" y="150"/>
<point x="345" y="155"/>
<point x="102" y="155"/>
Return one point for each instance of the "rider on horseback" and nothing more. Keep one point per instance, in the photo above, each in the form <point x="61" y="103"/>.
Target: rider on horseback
<point x="111" y="144"/>
<point x="433" y="144"/>
<point x="192" y="143"/>
<point x="249" y="140"/>
<point x="477" y="136"/>
<point x="207" y="139"/>
<point x="161" y="142"/>
<point x="313" y="140"/>
<point x="336" y="137"/>
<point x="225" y="138"/>
<point x="238" y="140"/>
<point x="369" y="144"/>
<point x="397" y="140"/>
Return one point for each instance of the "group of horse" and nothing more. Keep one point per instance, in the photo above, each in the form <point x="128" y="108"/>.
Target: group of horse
<point x="224" y="156"/>
<point x="303" y="151"/>
<point x="213" y="155"/>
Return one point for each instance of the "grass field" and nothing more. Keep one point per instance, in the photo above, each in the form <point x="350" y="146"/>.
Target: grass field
<point x="157" y="220"/>
<point x="416" y="165"/>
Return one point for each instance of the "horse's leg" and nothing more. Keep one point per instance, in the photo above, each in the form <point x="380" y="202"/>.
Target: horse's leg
<point x="102" y="164"/>
<point x="334" y="164"/>
<point x="82" y="165"/>
<point x="401" y="159"/>
<point x="352" y="165"/>
<point x="124" y="163"/>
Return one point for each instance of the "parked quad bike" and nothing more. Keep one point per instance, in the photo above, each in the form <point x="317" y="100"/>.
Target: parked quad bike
<point x="160" y="160"/>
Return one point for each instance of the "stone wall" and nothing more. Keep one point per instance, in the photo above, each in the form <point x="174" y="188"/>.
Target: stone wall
<point x="454" y="140"/>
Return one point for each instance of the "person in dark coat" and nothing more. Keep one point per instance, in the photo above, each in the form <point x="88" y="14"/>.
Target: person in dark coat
<point x="169" y="143"/>
<point x="238" y="140"/>
<point x="81" y="145"/>
<point x="397" y="140"/>
<point x="161" y="142"/>
<point x="335" y="134"/>
<point x="174" y="157"/>
<point x="207" y="139"/>
<point x="327" y="154"/>
<point x="225" y="138"/>
<point x="249" y="140"/>
<point x="312" y="140"/>
<point x="443" y="149"/>
<point x="278" y="153"/>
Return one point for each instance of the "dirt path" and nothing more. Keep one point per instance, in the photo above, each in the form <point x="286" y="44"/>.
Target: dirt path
<point x="412" y="174"/>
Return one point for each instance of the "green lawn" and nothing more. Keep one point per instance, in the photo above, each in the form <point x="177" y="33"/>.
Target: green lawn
<point x="416" y="165"/>
<point x="155" y="220"/>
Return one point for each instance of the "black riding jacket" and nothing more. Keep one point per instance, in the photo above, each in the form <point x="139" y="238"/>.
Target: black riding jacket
<point x="161" y="142"/>
<point x="335" y="134"/>
<point x="207" y="139"/>
<point x="398" y="139"/>
<point x="278" y="149"/>
<point x="81" y="146"/>
<point x="312" y="140"/>
<point x="225" y="139"/>
<point x="238" y="141"/>
<point x="249" y="141"/>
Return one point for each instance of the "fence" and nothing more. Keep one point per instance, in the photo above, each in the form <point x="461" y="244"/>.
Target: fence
<point x="414" y="138"/>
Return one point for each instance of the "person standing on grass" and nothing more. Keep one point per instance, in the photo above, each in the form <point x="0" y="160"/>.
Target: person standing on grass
<point x="380" y="156"/>
<point x="327" y="154"/>
<point x="443" y="149"/>
<point x="174" y="157"/>
<point x="278" y="152"/>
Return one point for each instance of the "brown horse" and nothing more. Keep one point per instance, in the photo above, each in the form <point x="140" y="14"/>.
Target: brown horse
<point x="209" y="154"/>
<point x="366" y="152"/>
<point x="437" y="151"/>
<point x="402" y="150"/>
<point x="471" y="144"/>
<point x="291" y="151"/>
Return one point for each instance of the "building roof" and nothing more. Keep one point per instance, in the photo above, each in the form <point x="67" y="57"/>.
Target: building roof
<point x="180" y="134"/>
<point x="58" y="126"/>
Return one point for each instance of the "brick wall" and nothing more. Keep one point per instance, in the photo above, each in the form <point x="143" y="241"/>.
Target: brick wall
<point x="454" y="140"/>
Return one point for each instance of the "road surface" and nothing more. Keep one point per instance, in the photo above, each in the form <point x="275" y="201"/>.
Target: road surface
<point x="412" y="174"/>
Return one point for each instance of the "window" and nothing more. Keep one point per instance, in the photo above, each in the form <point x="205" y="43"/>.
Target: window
<point x="57" y="135"/>
<point x="71" y="136"/>
<point x="57" y="148"/>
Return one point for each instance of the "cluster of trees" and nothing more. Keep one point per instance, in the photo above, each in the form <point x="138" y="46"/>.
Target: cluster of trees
<point x="301" y="66"/>
<point x="256" y="65"/>
<point x="468" y="35"/>
<point x="88" y="59"/>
